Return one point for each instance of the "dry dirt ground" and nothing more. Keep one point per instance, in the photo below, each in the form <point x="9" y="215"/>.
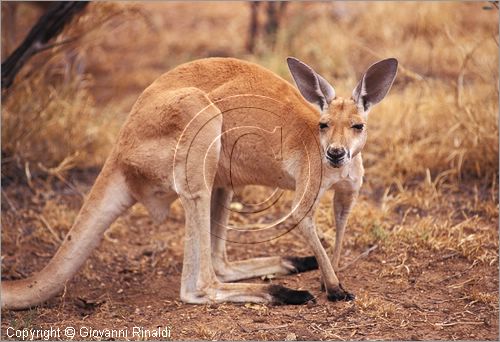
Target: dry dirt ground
<point x="133" y="280"/>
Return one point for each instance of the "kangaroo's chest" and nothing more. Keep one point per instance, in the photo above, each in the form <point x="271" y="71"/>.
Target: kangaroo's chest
<point x="254" y="150"/>
<point x="256" y="163"/>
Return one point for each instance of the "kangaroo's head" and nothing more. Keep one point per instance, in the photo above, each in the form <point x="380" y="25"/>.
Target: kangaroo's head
<point x="342" y="123"/>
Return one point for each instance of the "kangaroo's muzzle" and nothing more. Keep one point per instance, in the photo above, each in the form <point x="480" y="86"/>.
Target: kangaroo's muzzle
<point x="337" y="156"/>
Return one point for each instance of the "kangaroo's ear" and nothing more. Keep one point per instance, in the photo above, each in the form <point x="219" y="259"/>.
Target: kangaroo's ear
<point x="312" y="86"/>
<point x="375" y="83"/>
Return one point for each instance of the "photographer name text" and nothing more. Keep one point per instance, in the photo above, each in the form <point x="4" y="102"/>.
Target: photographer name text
<point x="88" y="333"/>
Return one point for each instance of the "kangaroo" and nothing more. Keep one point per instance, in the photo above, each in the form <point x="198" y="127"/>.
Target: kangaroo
<point x="199" y="131"/>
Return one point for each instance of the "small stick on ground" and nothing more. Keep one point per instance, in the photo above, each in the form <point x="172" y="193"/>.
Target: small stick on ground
<point x="457" y="323"/>
<point x="9" y="202"/>
<point x="362" y="255"/>
<point x="49" y="227"/>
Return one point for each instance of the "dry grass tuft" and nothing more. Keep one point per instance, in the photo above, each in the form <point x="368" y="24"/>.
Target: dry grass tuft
<point x="433" y="134"/>
<point x="35" y="133"/>
<point x="50" y="121"/>
<point x="373" y="306"/>
<point x="484" y="297"/>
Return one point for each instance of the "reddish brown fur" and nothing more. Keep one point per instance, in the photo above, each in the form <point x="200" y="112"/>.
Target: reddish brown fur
<point x="196" y="132"/>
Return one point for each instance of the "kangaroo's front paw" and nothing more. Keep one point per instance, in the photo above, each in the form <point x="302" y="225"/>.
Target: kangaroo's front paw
<point x="338" y="294"/>
<point x="284" y="295"/>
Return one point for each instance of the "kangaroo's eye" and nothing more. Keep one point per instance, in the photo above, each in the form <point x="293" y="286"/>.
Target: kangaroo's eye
<point x="323" y="125"/>
<point x="359" y="127"/>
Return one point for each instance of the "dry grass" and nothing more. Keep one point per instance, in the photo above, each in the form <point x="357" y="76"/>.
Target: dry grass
<point x="442" y="113"/>
<point x="60" y="127"/>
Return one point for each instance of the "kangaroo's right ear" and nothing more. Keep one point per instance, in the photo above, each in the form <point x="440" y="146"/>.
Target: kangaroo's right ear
<point x="312" y="86"/>
<point x="375" y="83"/>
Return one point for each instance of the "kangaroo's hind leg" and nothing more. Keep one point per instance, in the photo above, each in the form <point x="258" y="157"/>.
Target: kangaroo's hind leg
<point x="245" y="269"/>
<point x="196" y="162"/>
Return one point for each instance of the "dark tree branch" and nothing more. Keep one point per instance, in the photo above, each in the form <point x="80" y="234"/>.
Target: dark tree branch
<point x="253" y="30"/>
<point x="275" y="12"/>
<point x="50" y="24"/>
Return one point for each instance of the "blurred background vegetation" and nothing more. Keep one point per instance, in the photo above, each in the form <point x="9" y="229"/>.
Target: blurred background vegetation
<point x="441" y="120"/>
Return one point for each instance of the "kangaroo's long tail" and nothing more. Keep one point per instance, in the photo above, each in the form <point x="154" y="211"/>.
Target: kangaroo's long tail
<point x="107" y="200"/>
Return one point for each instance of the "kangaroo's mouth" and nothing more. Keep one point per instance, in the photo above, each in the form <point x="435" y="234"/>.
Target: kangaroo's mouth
<point x="336" y="163"/>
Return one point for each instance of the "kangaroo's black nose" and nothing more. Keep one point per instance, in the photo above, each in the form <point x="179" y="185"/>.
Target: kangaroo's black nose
<point x="336" y="153"/>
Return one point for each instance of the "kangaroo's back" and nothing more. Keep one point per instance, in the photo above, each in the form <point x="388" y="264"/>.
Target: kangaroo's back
<point x="219" y="79"/>
<point x="222" y="77"/>
<point x="252" y="103"/>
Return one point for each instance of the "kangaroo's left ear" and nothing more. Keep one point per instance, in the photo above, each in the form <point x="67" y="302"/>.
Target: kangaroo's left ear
<point x="375" y="83"/>
<point x="312" y="86"/>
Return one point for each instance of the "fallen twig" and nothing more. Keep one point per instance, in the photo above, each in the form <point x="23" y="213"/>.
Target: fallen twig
<point x="455" y="286"/>
<point x="9" y="202"/>
<point x="362" y="255"/>
<point x="457" y="323"/>
<point x="49" y="227"/>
